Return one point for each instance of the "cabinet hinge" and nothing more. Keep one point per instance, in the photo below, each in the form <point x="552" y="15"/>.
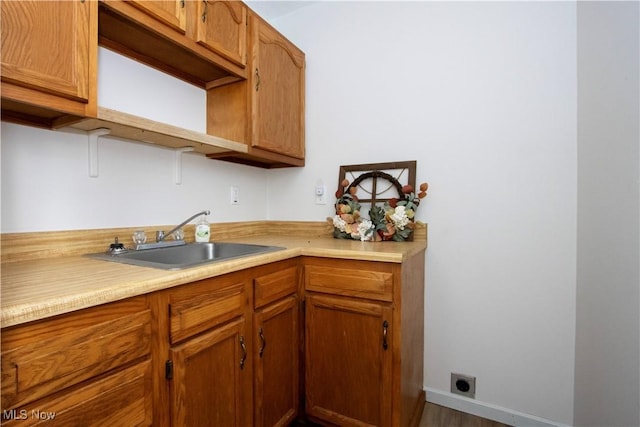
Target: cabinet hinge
<point x="168" y="369"/>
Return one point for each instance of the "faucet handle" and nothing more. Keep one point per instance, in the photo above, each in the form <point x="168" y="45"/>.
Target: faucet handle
<point x="159" y="235"/>
<point x="178" y="234"/>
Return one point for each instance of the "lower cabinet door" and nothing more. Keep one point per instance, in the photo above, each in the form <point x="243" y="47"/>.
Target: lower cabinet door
<point x="122" y="399"/>
<point x="276" y="378"/>
<point x="211" y="384"/>
<point x="348" y="361"/>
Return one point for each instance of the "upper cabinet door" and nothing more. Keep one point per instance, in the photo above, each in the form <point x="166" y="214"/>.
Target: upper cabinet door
<point x="221" y="26"/>
<point x="171" y="12"/>
<point x="47" y="46"/>
<point x="278" y="82"/>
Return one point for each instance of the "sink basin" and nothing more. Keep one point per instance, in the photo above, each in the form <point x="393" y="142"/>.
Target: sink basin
<point x="190" y="255"/>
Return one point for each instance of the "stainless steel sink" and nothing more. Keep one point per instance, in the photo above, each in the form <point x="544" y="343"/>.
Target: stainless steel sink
<point x="189" y="255"/>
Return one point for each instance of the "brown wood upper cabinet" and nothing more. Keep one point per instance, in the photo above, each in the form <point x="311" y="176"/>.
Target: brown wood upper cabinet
<point x="171" y="12"/>
<point x="202" y="42"/>
<point x="218" y="25"/>
<point x="221" y="26"/>
<point x="253" y="75"/>
<point x="267" y="110"/>
<point x="49" y="60"/>
<point x="278" y="85"/>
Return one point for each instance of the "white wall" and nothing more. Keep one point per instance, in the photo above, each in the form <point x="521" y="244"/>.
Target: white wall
<point x="607" y="386"/>
<point x="45" y="181"/>
<point x="483" y="96"/>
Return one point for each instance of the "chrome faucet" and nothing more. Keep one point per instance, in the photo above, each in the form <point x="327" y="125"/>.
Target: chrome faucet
<point x="161" y="235"/>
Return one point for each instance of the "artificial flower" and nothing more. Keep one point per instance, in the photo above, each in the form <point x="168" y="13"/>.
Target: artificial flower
<point x="399" y="217"/>
<point x="365" y="230"/>
<point x="394" y="221"/>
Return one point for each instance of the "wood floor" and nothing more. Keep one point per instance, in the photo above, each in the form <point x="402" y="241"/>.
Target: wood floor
<point x="436" y="416"/>
<point x="439" y="416"/>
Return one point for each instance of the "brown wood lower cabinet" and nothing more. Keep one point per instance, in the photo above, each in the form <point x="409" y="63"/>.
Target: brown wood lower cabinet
<point x="209" y="369"/>
<point x="90" y="368"/>
<point x="121" y="399"/>
<point x="209" y="383"/>
<point x="232" y="350"/>
<point x="364" y="332"/>
<point x="276" y="363"/>
<point x="348" y="361"/>
<point x="276" y="350"/>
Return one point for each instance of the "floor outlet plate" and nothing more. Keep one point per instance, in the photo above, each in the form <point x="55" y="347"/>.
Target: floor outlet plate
<point x="463" y="385"/>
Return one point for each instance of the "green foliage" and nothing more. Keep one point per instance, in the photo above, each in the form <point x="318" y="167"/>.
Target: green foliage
<point x="410" y="202"/>
<point x="337" y="234"/>
<point x="377" y="216"/>
<point x="402" y="235"/>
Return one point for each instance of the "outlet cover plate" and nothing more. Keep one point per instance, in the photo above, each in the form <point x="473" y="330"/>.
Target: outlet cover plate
<point x="234" y="195"/>
<point x="464" y="385"/>
<point x="321" y="195"/>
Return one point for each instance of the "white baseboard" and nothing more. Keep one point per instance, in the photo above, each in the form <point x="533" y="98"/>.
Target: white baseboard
<point x="488" y="411"/>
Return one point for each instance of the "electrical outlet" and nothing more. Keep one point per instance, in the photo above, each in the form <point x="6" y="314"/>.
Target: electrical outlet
<point x="235" y="195"/>
<point x="321" y="195"/>
<point x="463" y="385"/>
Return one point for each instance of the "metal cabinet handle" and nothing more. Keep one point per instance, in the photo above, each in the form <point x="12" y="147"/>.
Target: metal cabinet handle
<point x="204" y="11"/>
<point x="385" y="327"/>
<point x="263" y="342"/>
<point x="257" y="79"/>
<point x="182" y="4"/>
<point x="244" y="352"/>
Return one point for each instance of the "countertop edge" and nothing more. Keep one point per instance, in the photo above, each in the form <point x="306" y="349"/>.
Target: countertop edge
<point x="125" y="281"/>
<point x="16" y="314"/>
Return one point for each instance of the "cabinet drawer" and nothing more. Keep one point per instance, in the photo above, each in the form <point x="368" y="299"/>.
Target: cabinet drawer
<point x="42" y="358"/>
<point x="271" y="287"/>
<point x="365" y="280"/>
<point x="122" y="399"/>
<point x="203" y="305"/>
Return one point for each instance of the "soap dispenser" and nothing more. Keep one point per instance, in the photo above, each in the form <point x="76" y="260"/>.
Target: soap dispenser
<point x="203" y="230"/>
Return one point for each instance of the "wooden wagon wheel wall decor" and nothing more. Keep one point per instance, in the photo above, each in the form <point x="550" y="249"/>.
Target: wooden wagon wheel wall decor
<point x="392" y="203"/>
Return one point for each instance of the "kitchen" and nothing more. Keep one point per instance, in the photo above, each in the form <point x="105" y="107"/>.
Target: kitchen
<point x="493" y="101"/>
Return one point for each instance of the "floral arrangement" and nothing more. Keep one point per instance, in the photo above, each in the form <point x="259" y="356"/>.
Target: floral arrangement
<point x="394" y="221"/>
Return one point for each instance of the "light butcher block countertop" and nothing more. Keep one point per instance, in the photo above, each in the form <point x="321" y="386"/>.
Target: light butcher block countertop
<point x="43" y="287"/>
